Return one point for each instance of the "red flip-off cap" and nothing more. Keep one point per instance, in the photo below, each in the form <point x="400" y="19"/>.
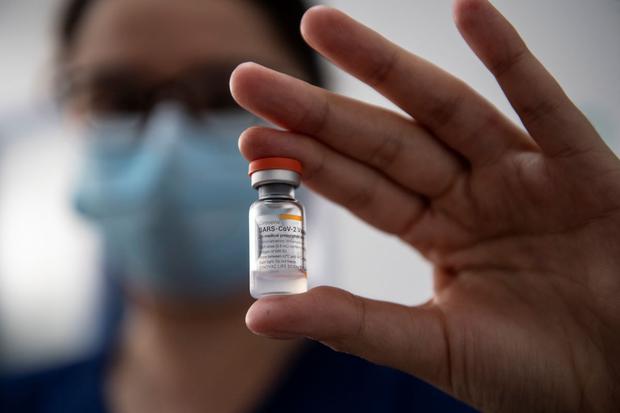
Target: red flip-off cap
<point x="275" y="163"/>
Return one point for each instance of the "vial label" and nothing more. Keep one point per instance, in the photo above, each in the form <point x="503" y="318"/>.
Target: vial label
<point x="280" y="243"/>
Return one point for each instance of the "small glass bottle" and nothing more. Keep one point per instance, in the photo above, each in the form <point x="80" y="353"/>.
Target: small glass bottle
<point x="277" y="229"/>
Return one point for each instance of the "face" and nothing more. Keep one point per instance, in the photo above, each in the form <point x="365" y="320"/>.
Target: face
<point x="129" y="54"/>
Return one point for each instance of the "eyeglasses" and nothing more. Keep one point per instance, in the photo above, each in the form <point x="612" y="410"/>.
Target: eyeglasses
<point x="128" y="91"/>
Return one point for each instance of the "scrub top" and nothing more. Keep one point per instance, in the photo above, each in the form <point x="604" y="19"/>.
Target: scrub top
<point x="318" y="380"/>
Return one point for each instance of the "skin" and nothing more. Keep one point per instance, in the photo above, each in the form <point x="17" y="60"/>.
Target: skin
<point x="521" y="225"/>
<point x="177" y="354"/>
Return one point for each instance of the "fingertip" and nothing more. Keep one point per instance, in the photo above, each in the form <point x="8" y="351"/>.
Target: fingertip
<point x="263" y="91"/>
<point x="252" y="318"/>
<point x="317" y="9"/>
<point x="311" y="16"/>
<point x="242" y="78"/>
<point x="237" y="80"/>
<point x="238" y="74"/>
<point x="466" y="12"/>
<point x="469" y="6"/>
<point x="319" y="21"/>
<point x="241" y="145"/>
<point x="249" y="142"/>
<point x="265" y="318"/>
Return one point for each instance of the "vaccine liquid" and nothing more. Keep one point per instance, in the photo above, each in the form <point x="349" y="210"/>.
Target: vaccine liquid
<point x="277" y="248"/>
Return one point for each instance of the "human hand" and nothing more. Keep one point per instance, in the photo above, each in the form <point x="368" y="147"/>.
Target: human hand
<point x="522" y="227"/>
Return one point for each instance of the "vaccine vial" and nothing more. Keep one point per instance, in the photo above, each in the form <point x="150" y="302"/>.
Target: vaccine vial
<point x="277" y="229"/>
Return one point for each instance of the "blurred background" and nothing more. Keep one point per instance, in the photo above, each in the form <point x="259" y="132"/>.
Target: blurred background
<point x="49" y="258"/>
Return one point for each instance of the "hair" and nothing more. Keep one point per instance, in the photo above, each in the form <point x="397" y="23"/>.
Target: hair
<point x="284" y="15"/>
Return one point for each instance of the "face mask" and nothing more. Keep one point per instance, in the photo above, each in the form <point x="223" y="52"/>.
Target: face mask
<point x="171" y="197"/>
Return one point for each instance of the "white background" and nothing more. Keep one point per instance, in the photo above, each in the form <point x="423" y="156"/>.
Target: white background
<point x="48" y="258"/>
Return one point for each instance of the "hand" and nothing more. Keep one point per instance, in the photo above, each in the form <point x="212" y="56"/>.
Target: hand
<point x="523" y="228"/>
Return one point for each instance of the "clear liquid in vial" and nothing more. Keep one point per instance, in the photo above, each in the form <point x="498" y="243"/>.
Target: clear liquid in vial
<point x="264" y="283"/>
<point x="277" y="248"/>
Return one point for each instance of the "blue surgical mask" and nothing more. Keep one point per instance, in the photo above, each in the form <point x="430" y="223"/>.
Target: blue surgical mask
<point x="171" y="197"/>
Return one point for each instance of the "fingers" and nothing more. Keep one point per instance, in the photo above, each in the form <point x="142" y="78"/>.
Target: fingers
<point x="448" y="107"/>
<point x="362" y="190"/>
<point x="548" y="114"/>
<point x="389" y="142"/>
<point x="407" y="338"/>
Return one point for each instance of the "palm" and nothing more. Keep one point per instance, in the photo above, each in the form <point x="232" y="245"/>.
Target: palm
<point x="502" y="288"/>
<point x="489" y="236"/>
<point x="524" y="195"/>
<point x="520" y="226"/>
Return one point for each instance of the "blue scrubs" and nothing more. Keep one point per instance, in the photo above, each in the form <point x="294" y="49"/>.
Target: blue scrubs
<point x="319" y="380"/>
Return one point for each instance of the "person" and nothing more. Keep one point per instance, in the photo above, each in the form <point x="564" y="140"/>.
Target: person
<point x="521" y="225"/>
<point x="162" y="179"/>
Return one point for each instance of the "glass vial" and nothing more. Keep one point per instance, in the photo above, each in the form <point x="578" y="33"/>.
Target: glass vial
<point x="277" y="229"/>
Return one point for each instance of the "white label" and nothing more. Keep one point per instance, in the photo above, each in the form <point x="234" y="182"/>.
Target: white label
<point x="280" y="243"/>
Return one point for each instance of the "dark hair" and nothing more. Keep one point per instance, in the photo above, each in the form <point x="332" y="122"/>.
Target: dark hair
<point x="285" y="16"/>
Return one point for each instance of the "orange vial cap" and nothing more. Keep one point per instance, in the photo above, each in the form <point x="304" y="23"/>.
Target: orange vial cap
<point x="275" y="163"/>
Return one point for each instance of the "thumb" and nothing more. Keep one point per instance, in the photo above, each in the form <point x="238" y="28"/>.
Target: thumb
<point x="411" y="339"/>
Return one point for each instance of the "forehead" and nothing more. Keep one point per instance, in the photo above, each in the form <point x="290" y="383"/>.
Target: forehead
<point x="164" y="35"/>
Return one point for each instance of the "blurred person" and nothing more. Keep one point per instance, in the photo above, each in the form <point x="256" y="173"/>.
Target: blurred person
<point x="521" y="225"/>
<point x="163" y="180"/>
